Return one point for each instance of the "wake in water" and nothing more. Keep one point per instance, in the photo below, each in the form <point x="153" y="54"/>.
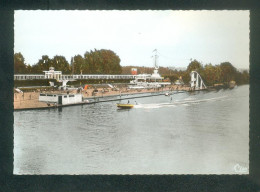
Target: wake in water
<point x="184" y="102"/>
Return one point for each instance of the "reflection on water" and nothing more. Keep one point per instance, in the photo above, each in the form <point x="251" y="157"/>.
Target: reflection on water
<point x="186" y="133"/>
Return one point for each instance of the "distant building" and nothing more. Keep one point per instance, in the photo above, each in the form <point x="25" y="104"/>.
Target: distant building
<point x="134" y="71"/>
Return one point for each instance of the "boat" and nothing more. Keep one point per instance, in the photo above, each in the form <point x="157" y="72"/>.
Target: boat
<point x="167" y="94"/>
<point x="125" y="106"/>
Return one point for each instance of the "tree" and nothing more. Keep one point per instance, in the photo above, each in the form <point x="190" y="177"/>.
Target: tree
<point x="43" y="64"/>
<point x="29" y="69"/>
<point x="102" y="62"/>
<point x="211" y="74"/>
<point x="242" y="77"/>
<point x="173" y="77"/>
<point x="19" y="64"/>
<point x="245" y="76"/>
<point x="58" y="62"/>
<point x="61" y="64"/>
<point x="79" y="65"/>
<point x="194" y="66"/>
<point x="218" y="73"/>
<point x="89" y="62"/>
<point x="185" y="76"/>
<point x="228" y="72"/>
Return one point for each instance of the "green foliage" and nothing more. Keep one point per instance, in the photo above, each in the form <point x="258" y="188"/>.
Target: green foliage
<point x="223" y="73"/>
<point x="94" y="62"/>
<point x="35" y="82"/>
<point x="19" y="64"/>
<point x="242" y="77"/>
<point x="211" y="74"/>
<point x="78" y="65"/>
<point x="185" y="77"/>
<point x="102" y="62"/>
<point x="58" y="62"/>
<point x="172" y="77"/>
<point x="43" y="65"/>
<point x="228" y="72"/>
<point x="61" y="64"/>
<point x="194" y="66"/>
<point x="107" y="62"/>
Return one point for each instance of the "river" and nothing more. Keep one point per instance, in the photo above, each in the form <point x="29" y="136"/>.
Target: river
<point x="186" y="133"/>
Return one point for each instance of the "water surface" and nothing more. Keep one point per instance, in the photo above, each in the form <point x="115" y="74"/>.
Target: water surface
<point x="187" y="133"/>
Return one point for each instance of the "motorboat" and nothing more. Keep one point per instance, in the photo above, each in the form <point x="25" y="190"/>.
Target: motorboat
<point x="125" y="106"/>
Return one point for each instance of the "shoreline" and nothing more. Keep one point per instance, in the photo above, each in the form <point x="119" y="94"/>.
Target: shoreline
<point x="29" y="100"/>
<point x="98" y="101"/>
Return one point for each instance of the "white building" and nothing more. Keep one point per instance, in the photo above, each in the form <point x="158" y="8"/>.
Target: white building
<point x="143" y="81"/>
<point x="156" y="76"/>
<point x="60" y="99"/>
<point x="52" y="74"/>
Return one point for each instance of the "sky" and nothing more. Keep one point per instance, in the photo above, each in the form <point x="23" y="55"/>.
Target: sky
<point x="179" y="36"/>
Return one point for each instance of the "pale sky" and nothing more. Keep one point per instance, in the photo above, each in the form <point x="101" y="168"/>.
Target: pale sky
<point x="207" y="36"/>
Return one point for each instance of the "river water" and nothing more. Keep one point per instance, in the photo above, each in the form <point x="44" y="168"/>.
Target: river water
<point x="186" y="133"/>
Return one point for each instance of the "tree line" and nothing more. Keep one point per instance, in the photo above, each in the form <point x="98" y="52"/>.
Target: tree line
<point x="221" y="73"/>
<point x="211" y="74"/>
<point x="93" y="62"/>
<point x="107" y="62"/>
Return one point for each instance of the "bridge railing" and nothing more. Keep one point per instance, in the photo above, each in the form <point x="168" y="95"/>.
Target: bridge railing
<point x="72" y="77"/>
<point x="28" y="76"/>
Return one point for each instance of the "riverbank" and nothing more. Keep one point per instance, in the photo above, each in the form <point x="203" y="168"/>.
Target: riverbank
<point x="30" y="100"/>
